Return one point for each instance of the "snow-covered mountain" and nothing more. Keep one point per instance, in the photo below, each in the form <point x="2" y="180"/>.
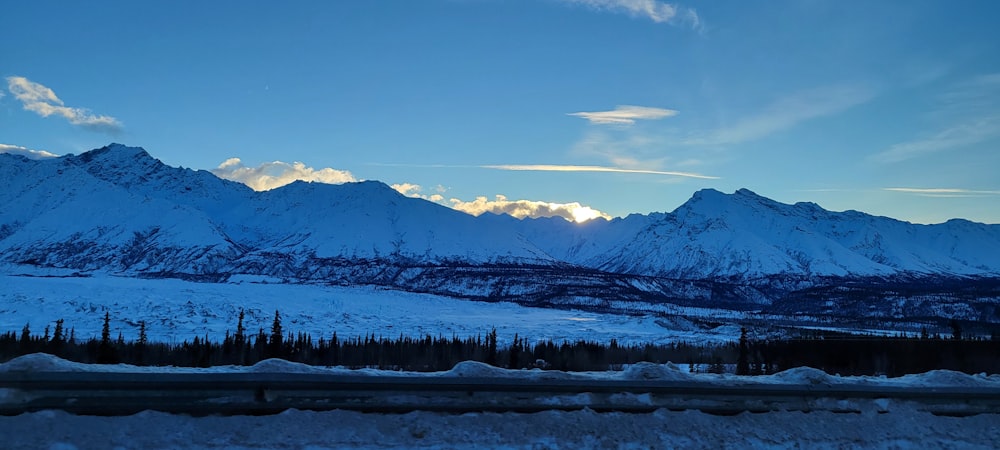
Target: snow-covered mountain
<point x="744" y="235"/>
<point x="118" y="210"/>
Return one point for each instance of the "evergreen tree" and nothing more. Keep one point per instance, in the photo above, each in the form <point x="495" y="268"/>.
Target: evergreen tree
<point x="57" y="335"/>
<point x="240" y="331"/>
<point x="26" y="346"/>
<point x="515" y="353"/>
<point x="106" y="329"/>
<point x="106" y="353"/>
<point x="142" y="333"/>
<point x="276" y="337"/>
<point x="743" y="364"/>
<point x="491" y="348"/>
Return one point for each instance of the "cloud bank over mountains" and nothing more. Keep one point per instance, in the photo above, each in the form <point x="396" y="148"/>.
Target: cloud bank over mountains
<point x="26" y="152"/>
<point x="271" y="175"/>
<point x="574" y="212"/>
<point x="275" y="174"/>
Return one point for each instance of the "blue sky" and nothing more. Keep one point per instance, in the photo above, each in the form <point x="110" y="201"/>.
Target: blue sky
<point x="622" y="106"/>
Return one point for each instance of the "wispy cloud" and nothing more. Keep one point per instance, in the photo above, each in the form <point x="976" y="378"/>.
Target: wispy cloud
<point x="560" y="168"/>
<point x="41" y="100"/>
<point x="943" y="192"/>
<point x="574" y="211"/>
<point x="785" y="113"/>
<point x="625" y="114"/>
<point x="961" y="135"/>
<point x="275" y="174"/>
<point x="975" y="96"/>
<point x="632" y="148"/>
<point x="571" y="168"/>
<point x="28" y="153"/>
<point x="657" y="11"/>
<point x="966" y="115"/>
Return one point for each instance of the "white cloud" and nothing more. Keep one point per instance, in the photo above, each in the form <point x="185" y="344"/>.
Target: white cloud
<point x="943" y="192"/>
<point x="275" y="174"/>
<point x="415" y="191"/>
<point x="43" y="101"/>
<point x="657" y="11"/>
<point x="625" y="114"/>
<point x="28" y="153"/>
<point x="570" y="168"/>
<point x="574" y="211"/>
<point x="501" y="205"/>
<point x="785" y="113"/>
<point x="408" y="189"/>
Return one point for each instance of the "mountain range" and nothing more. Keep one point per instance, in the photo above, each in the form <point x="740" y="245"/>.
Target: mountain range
<point x="117" y="210"/>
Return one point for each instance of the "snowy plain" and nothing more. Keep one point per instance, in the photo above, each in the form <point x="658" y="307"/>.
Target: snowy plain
<point x="890" y="426"/>
<point x="176" y="310"/>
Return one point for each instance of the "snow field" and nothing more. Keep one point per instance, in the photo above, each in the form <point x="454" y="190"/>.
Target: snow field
<point x="176" y="310"/>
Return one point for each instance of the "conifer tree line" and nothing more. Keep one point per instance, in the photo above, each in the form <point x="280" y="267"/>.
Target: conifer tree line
<point x="831" y="352"/>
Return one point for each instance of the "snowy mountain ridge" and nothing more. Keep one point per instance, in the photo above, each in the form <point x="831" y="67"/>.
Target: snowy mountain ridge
<point x="119" y="210"/>
<point x="716" y="234"/>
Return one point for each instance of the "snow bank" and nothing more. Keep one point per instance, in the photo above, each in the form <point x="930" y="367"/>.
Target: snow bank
<point x="275" y="365"/>
<point x="643" y="371"/>
<point x="650" y="371"/>
<point x="803" y="375"/>
<point x="477" y="369"/>
<point x="482" y="370"/>
<point x="44" y="362"/>
<point x="950" y="378"/>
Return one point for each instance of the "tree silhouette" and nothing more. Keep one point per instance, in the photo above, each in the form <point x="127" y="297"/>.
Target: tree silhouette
<point x="276" y="336"/>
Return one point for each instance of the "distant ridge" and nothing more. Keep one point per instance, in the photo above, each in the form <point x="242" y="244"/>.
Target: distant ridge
<point x="119" y="210"/>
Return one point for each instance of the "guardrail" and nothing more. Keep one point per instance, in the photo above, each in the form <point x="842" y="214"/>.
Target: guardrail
<point x="268" y="393"/>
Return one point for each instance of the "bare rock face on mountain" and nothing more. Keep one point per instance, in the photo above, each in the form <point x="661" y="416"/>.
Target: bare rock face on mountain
<point x="119" y="210"/>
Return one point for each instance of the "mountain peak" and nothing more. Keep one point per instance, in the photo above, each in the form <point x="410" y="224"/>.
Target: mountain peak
<point x="115" y="150"/>
<point x="367" y="187"/>
<point x="712" y="198"/>
<point x="120" y="164"/>
<point x="118" y="156"/>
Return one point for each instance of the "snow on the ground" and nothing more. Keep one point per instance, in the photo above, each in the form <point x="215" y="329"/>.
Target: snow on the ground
<point x="889" y="425"/>
<point x="643" y="371"/>
<point x="176" y="310"/>
<point x="586" y="429"/>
